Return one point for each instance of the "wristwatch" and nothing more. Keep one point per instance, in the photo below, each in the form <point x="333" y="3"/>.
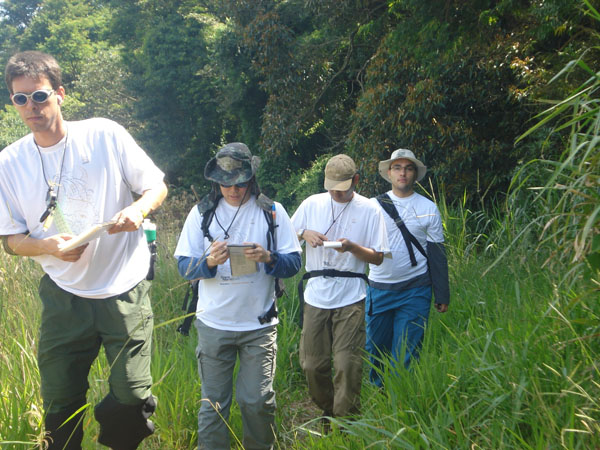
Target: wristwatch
<point x="274" y="258"/>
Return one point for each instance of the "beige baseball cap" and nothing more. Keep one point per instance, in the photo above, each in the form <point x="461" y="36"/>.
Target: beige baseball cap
<point x="339" y="172"/>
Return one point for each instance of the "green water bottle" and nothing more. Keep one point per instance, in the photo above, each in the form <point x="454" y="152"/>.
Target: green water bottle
<point x="149" y="230"/>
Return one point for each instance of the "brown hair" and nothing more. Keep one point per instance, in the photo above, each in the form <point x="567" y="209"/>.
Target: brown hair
<point x="32" y="64"/>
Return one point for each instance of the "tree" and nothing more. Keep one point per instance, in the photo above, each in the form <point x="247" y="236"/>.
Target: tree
<point x="165" y="45"/>
<point x="11" y="126"/>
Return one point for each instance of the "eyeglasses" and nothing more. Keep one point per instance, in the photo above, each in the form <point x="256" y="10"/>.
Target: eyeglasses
<point x="238" y="185"/>
<point x="40" y="96"/>
<point x="408" y="168"/>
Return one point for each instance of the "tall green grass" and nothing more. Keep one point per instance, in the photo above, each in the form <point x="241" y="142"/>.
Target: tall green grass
<point x="511" y="365"/>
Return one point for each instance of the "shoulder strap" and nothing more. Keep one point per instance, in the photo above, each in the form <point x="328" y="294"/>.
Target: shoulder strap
<point x="207" y="218"/>
<point x="269" y="211"/>
<point x="206" y="207"/>
<point x="388" y="206"/>
<point x="268" y="207"/>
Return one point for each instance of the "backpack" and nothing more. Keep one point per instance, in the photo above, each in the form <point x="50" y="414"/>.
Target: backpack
<point x="207" y="207"/>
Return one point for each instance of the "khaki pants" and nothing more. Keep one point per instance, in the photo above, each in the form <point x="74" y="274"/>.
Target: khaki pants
<point x="73" y="329"/>
<point x="337" y="333"/>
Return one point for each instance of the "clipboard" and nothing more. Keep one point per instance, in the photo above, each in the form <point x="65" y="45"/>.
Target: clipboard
<point x="240" y="265"/>
<point x="90" y="234"/>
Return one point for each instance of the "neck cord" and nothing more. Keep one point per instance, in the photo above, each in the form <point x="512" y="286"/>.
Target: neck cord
<point x="52" y="196"/>
<point x="226" y="231"/>
<point x="334" y="219"/>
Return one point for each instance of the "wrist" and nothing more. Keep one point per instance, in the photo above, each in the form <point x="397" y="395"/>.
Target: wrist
<point x="273" y="257"/>
<point x="7" y="248"/>
<point x="211" y="262"/>
<point x="145" y="210"/>
<point x="350" y="247"/>
<point x="301" y="233"/>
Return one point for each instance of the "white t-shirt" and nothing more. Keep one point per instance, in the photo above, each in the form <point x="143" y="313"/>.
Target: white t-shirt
<point x="422" y="218"/>
<point x="359" y="221"/>
<point x="102" y="165"/>
<point x="235" y="303"/>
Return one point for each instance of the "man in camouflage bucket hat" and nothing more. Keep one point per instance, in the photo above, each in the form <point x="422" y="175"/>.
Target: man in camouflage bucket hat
<point x="233" y="164"/>
<point x="233" y="320"/>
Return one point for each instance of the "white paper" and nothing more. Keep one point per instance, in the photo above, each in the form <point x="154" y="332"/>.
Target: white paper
<point x="332" y="244"/>
<point x="240" y="265"/>
<point x="89" y="235"/>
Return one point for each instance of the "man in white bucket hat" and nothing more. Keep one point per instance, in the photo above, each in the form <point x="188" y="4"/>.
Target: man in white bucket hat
<point x="400" y="289"/>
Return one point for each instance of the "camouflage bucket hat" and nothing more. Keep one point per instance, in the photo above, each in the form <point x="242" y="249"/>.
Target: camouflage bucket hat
<point x="232" y="164"/>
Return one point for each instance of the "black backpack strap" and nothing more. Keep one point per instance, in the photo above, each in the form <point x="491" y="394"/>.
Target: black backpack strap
<point x="207" y="207"/>
<point x="269" y="211"/>
<point x="323" y="273"/>
<point x="388" y="206"/>
<point x="268" y="207"/>
<point x="189" y="306"/>
<point x="271" y="240"/>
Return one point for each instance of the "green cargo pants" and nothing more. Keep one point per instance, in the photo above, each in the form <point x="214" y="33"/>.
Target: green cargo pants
<point x="72" y="331"/>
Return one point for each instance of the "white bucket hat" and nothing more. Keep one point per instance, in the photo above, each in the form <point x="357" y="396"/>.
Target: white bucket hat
<point x="401" y="154"/>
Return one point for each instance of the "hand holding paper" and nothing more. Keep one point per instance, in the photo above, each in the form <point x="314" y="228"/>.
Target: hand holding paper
<point x="90" y="234"/>
<point x="240" y="264"/>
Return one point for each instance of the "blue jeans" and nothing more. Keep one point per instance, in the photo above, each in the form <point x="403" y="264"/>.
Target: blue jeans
<point x="396" y="326"/>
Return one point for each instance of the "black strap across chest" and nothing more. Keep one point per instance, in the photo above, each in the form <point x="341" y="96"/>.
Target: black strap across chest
<point x="388" y="206"/>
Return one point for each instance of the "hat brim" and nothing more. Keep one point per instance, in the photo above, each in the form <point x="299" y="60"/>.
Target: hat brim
<point x="336" y="185"/>
<point x="384" y="166"/>
<point x="213" y="172"/>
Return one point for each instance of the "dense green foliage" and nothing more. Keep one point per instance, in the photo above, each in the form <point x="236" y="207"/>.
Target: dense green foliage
<point x="298" y="79"/>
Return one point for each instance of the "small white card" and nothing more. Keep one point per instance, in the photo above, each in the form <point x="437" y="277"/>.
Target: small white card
<point x="332" y="244"/>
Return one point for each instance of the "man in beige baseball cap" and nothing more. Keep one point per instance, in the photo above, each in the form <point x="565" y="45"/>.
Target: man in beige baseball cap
<point x="340" y="173"/>
<point x="344" y="231"/>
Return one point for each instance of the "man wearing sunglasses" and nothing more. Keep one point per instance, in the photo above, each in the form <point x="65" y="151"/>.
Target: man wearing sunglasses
<point x="55" y="183"/>
<point x="236" y="318"/>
